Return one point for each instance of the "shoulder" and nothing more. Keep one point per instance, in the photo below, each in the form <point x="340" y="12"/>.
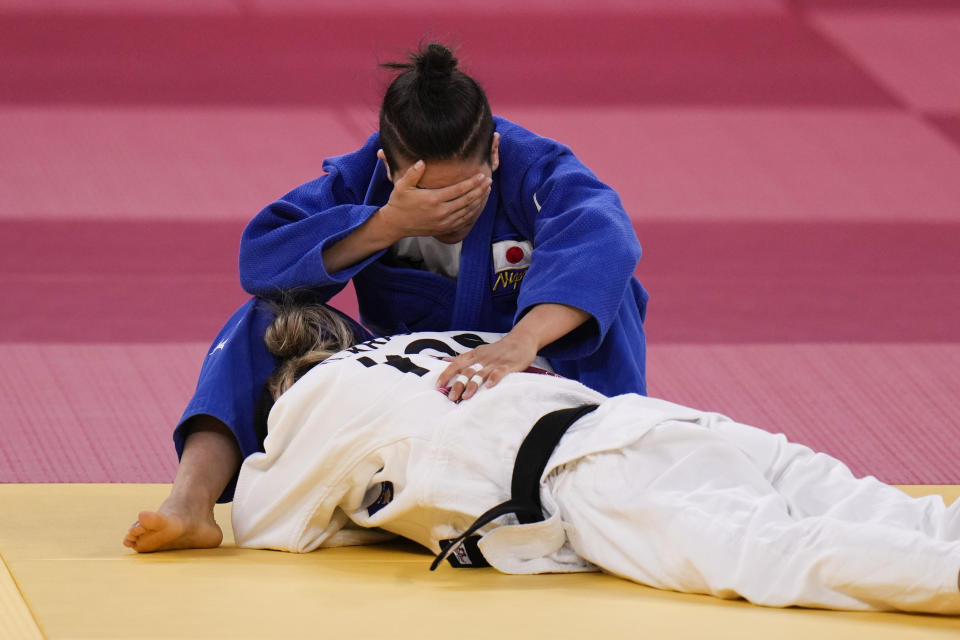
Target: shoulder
<point x="524" y="156"/>
<point x="522" y="145"/>
<point x="361" y="162"/>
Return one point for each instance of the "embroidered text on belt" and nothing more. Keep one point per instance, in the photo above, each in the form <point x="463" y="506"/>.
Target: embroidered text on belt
<point x="532" y="457"/>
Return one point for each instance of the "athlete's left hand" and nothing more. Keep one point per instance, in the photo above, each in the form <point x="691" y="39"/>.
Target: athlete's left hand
<point x="487" y="364"/>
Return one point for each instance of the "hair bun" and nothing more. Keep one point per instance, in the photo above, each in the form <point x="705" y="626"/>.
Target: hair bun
<point x="435" y="62"/>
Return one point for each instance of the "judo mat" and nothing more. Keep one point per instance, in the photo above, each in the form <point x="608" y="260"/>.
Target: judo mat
<point x="792" y="169"/>
<point x="66" y="577"/>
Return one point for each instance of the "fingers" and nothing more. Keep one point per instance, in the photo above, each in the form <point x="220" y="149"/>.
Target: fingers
<point x="464" y="191"/>
<point x="457" y="365"/>
<point x="436" y="212"/>
<point x="464" y="218"/>
<point x="466" y="382"/>
<point x="483" y="377"/>
<point x="476" y="381"/>
<point x="472" y="197"/>
<point x="465" y="364"/>
<point x="467" y="215"/>
<point x="495" y="376"/>
<point x="462" y="188"/>
<point x="411" y="178"/>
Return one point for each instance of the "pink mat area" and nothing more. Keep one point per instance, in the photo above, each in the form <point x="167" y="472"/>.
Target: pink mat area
<point x="103" y="413"/>
<point x="262" y="7"/>
<point x="726" y="164"/>
<point x="763" y="164"/>
<point x="913" y="53"/>
<point x="872" y="5"/>
<point x="949" y="125"/>
<point x="592" y="55"/>
<point x="556" y="6"/>
<point x="93" y="413"/>
<point x="793" y="283"/>
<point x="710" y="282"/>
<point x="124" y="6"/>
<point x="889" y="409"/>
<point x="163" y="162"/>
<point x="792" y="169"/>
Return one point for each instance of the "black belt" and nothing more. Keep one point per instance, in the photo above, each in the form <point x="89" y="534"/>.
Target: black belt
<point x="532" y="457"/>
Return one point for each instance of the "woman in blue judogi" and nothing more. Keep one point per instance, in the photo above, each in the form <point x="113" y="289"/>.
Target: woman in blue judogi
<point x="447" y="218"/>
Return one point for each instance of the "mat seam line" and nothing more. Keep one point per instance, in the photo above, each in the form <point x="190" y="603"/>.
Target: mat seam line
<point x="23" y="597"/>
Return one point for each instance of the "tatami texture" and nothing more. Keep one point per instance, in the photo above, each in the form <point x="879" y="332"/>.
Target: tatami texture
<point x="103" y="412"/>
<point x="16" y="619"/>
<point x="62" y="545"/>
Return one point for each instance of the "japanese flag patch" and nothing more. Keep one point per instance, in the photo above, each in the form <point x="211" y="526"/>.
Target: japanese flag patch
<point x="511" y="259"/>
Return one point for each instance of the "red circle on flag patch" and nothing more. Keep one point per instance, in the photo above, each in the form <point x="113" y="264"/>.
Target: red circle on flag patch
<point x="514" y="255"/>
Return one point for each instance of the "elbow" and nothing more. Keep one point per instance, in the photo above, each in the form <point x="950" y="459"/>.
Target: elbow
<point x="256" y="278"/>
<point x="257" y="260"/>
<point x="251" y="276"/>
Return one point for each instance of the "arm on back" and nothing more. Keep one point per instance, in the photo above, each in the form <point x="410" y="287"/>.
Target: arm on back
<point x="585" y="249"/>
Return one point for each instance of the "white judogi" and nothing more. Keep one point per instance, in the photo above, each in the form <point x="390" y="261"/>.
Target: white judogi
<point x="646" y="489"/>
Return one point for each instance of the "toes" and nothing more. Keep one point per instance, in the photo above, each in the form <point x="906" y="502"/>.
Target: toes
<point x="159" y="531"/>
<point x="150" y="521"/>
<point x="149" y="532"/>
<point x="133" y="534"/>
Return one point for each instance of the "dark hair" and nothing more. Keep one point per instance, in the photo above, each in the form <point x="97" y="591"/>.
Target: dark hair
<point x="434" y="111"/>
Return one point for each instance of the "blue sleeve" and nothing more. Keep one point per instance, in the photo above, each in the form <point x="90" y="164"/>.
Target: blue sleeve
<point x="282" y="247"/>
<point x="585" y="249"/>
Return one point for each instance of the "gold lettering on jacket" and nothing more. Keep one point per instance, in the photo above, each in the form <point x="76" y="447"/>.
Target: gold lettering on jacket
<point x="509" y="279"/>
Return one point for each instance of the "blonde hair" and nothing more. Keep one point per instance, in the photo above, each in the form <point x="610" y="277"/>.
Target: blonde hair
<point x="302" y="335"/>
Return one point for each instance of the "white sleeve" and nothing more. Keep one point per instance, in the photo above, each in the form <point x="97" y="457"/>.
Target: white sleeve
<point x="276" y="506"/>
<point x="351" y="534"/>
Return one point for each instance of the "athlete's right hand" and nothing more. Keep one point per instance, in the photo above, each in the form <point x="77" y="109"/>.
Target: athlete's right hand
<point x="412" y="211"/>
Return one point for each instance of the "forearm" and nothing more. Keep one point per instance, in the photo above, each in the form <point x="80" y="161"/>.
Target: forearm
<point x="546" y="323"/>
<point x="372" y="236"/>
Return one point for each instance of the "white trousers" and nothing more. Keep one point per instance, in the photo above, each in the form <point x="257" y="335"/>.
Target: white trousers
<point x="734" y="511"/>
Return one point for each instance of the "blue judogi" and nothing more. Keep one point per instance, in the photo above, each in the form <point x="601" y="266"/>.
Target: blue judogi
<point x="233" y="376"/>
<point x="584" y="252"/>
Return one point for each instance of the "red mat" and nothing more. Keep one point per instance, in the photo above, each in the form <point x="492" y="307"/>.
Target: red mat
<point x="888" y="410"/>
<point x="93" y="413"/>
<point x="949" y="125"/>
<point x="792" y="169"/>
<point x="711" y="282"/>
<point x="719" y="164"/>
<point x="162" y="162"/>
<point x="893" y="45"/>
<point x="587" y="56"/>
<point x="103" y="413"/>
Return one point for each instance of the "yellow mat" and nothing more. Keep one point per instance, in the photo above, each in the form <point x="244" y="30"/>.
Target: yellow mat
<point x="66" y="575"/>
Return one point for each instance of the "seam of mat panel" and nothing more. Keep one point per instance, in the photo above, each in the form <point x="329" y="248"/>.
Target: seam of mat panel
<point x="809" y="22"/>
<point x="27" y="626"/>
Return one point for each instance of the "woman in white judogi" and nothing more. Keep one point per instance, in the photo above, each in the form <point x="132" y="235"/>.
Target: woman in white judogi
<point x="364" y="446"/>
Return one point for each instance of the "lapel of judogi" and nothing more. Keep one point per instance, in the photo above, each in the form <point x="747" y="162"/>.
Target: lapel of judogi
<point x="380" y="187"/>
<point x="473" y="281"/>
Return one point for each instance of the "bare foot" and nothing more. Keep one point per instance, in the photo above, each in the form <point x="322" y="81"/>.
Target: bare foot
<point x="185" y="519"/>
<point x="170" y="527"/>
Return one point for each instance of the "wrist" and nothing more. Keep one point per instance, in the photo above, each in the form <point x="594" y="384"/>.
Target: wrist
<point x="382" y="223"/>
<point x="547" y="322"/>
<point x="525" y="334"/>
